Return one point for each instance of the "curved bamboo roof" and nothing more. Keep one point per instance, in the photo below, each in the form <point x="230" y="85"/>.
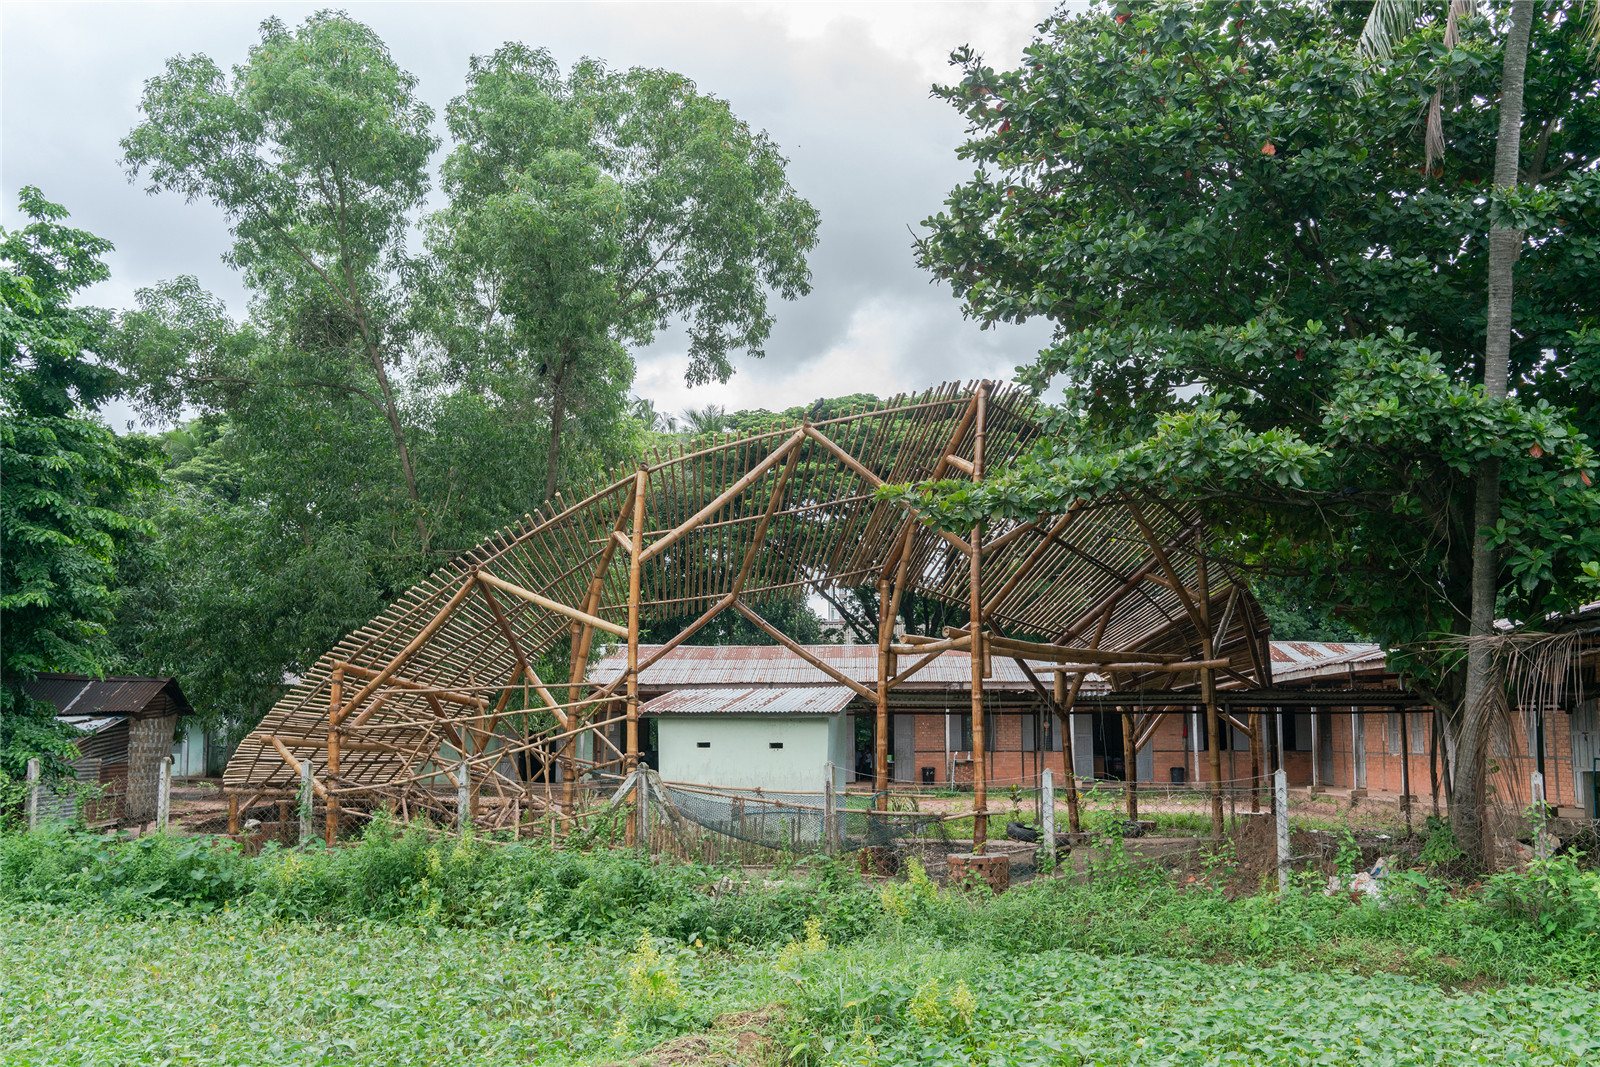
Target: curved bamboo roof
<point x="772" y="514"/>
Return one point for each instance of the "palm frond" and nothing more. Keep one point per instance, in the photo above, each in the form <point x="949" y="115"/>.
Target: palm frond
<point x="1388" y="22"/>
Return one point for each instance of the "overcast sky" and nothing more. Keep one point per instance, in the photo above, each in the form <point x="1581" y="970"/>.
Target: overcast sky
<point x="843" y="88"/>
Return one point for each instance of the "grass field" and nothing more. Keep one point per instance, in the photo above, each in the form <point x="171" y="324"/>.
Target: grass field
<point x="83" y="990"/>
<point x="411" y="947"/>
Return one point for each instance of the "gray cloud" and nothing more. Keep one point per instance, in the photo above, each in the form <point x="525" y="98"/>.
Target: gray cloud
<point x="842" y="88"/>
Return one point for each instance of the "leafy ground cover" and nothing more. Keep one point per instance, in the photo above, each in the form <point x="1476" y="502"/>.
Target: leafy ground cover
<point x="226" y="989"/>
<point x="412" y="947"/>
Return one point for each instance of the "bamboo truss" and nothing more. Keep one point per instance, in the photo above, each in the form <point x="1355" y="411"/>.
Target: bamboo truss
<point x="445" y="680"/>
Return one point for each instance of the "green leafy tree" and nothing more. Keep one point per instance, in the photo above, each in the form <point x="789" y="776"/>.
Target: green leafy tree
<point x="1264" y="304"/>
<point x="317" y="150"/>
<point x="590" y="210"/>
<point x="68" y="480"/>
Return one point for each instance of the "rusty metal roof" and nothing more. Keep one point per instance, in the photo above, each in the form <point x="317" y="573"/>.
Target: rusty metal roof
<point x="115" y="694"/>
<point x="775" y="700"/>
<point x="1300" y="661"/>
<point x="774" y="665"/>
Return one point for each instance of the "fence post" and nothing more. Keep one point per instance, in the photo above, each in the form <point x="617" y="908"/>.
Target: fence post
<point x="305" y="801"/>
<point x="1047" y="809"/>
<point x="463" y="798"/>
<point x="163" y="793"/>
<point x="830" y="803"/>
<point x="1280" y="794"/>
<point x="1540" y="841"/>
<point x="34" y="786"/>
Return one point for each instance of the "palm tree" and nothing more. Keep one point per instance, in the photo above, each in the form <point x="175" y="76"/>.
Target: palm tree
<point x="1388" y="20"/>
<point x="701" y="422"/>
<point x="655" y="421"/>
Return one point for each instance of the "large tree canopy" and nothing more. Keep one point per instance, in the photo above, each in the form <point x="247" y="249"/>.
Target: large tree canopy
<point x="1263" y="303"/>
<point x="404" y="382"/>
<point x="68" y="481"/>
<point x="590" y="210"/>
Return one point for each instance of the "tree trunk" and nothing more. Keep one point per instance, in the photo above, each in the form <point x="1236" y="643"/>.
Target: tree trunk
<point x="392" y="415"/>
<point x="1467" y="809"/>
<point x="558" y="415"/>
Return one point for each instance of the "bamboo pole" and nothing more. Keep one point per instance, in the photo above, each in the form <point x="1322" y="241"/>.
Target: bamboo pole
<point x="980" y="775"/>
<point x="394" y="665"/>
<point x="1130" y="765"/>
<point x="336" y="687"/>
<point x="1208" y="693"/>
<point x="880" y="784"/>
<point x="800" y="650"/>
<point x="661" y="543"/>
<point x="641" y="483"/>
<point x="1255" y="762"/>
<point x="1064" y="702"/>
<point x="552" y="605"/>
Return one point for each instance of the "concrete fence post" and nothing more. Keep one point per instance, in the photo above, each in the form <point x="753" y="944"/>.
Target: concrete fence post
<point x="305" y="801"/>
<point x="1280" y="791"/>
<point x="1541" y="846"/>
<point x="463" y="798"/>
<point x="35" y="785"/>
<point x="830" y="805"/>
<point x="1047" y="811"/>
<point x="163" y="793"/>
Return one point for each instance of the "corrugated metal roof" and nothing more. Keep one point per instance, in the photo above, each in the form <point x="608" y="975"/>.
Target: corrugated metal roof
<point x="774" y="665"/>
<point x="780" y="700"/>
<point x="90" y="724"/>
<point x="126" y="694"/>
<point x="1299" y="661"/>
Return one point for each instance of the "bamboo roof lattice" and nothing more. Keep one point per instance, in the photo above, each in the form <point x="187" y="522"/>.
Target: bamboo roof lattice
<point x="772" y="514"/>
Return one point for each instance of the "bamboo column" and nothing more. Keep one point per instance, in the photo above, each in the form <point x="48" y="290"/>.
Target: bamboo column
<point x="335" y="692"/>
<point x="1130" y="764"/>
<point x="1208" y="694"/>
<point x="980" y="770"/>
<point x="641" y="481"/>
<point x="1064" y="702"/>
<point x="880" y="776"/>
<point x="1255" y="762"/>
<point x="1405" y="767"/>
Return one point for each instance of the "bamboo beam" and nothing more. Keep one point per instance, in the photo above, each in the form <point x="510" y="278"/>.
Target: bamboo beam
<point x="961" y="429"/>
<point x="662" y="543"/>
<point x="1162" y="558"/>
<point x="406" y="653"/>
<point x="398" y="681"/>
<point x="800" y="650"/>
<point x="1139" y="668"/>
<point x="1063" y="653"/>
<point x="872" y="479"/>
<point x="294" y="765"/>
<point x="553" y="605"/>
<point x="1032" y="559"/>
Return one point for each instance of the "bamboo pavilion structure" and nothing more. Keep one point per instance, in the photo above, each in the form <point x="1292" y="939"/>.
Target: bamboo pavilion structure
<point x="442" y="692"/>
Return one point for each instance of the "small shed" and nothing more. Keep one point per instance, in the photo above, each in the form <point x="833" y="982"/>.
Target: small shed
<point x="777" y="739"/>
<point x="127" y="724"/>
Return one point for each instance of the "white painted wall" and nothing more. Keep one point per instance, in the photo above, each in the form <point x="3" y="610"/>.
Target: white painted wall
<point x="740" y="753"/>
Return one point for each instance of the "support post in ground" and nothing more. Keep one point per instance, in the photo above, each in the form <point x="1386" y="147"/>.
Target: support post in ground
<point x="1316" y="751"/>
<point x="1255" y="762"/>
<point x="463" y="796"/>
<point x="1541" y="841"/>
<point x="880" y="735"/>
<point x="35" y="785"/>
<point x="1065" y="698"/>
<point x="1405" y="767"/>
<point x="980" y="767"/>
<point x="1280" y="794"/>
<point x="1130" y="767"/>
<point x="335" y="692"/>
<point x="305" y="801"/>
<point x="163" y="793"/>
<point x="233" y="814"/>
<point x="630" y="762"/>
<point x="830" y="828"/>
